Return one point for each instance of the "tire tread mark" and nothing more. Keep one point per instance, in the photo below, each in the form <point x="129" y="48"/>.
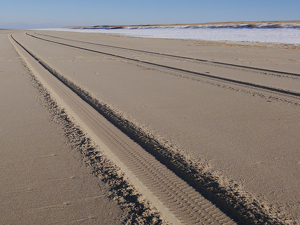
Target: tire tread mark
<point x="145" y="163"/>
<point x="86" y="97"/>
<point x="180" y="57"/>
<point x="238" y="82"/>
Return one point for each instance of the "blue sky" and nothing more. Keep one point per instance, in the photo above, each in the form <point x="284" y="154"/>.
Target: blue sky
<point x="28" y="14"/>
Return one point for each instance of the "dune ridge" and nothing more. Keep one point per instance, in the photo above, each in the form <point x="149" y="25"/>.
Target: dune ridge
<point x="237" y="24"/>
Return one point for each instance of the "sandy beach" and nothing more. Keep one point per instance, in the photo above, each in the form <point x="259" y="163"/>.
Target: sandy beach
<point x="197" y="132"/>
<point x="43" y="177"/>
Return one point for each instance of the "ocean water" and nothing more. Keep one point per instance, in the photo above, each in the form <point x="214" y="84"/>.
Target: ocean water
<point x="286" y="35"/>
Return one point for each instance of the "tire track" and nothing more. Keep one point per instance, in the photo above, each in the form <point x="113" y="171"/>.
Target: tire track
<point x="152" y="65"/>
<point x="152" y="172"/>
<point x="240" y="205"/>
<point x="182" y="200"/>
<point x="208" y="62"/>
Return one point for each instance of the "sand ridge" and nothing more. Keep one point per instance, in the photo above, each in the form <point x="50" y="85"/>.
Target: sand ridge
<point x="250" y="24"/>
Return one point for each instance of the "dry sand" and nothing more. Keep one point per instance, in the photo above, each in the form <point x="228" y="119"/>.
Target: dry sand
<point x="43" y="179"/>
<point x="237" y="132"/>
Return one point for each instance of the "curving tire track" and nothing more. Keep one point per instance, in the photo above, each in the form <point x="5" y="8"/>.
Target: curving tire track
<point x="292" y="92"/>
<point x="178" y="201"/>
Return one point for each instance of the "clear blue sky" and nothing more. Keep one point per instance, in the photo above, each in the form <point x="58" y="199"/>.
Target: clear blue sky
<point x="58" y="13"/>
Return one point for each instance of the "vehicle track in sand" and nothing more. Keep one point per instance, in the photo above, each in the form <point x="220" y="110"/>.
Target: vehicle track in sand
<point x="244" y="207"/>
<point x="173" y="197"/>
<point x="196" y="60"/>
<point x="257" y="79"/>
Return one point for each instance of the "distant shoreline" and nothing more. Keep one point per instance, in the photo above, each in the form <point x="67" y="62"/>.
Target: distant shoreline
<point x="234" y="24"/>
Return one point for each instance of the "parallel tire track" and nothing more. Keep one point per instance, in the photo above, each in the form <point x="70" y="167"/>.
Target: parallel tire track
<point x="181" y="199"/>
<point x="234" y="66"/>
<point x="245" y="208"/>
<point x="184" y="71"/>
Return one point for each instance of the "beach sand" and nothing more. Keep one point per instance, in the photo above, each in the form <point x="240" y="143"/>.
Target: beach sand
<point x="43" y="178"/>
<point x="244" y="135"/>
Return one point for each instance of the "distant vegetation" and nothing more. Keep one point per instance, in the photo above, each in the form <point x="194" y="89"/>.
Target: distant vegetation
<point x="239" y="24"/>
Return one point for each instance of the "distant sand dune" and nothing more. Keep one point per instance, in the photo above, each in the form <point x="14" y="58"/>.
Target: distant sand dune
<point x="267" y="24"/>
